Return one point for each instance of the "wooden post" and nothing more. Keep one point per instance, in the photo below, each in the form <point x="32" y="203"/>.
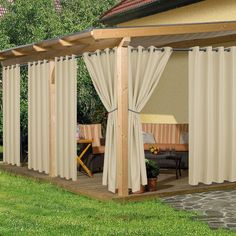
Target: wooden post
<point x="52" y="120"/>
<point x="122" y="131"/>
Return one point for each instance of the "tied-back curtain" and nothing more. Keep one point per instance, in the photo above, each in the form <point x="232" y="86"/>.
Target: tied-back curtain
<point x="102" y="69"/>
<point x="212" y="115"/>
<point x="38" y="116"/>
<point x="145" y="69"/>
<point x="11" y="115"/>
<point x="66" y="113"/>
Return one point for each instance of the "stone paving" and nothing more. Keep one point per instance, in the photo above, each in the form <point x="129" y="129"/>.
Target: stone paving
<point x="217" y="208"/>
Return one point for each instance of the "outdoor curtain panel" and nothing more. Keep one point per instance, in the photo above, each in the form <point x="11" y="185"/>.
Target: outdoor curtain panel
<point x="212" y="115"/>
<point x="66" y="112"/>
<point x="102" y="69"/>
<point x="38" y="116"/>
<point x="11" y="115"/>
<point x="145" y="70"/>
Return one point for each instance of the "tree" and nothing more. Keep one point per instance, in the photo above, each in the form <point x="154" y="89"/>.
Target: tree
<point x="76" y="16"/>
<point x="28" y="21"/>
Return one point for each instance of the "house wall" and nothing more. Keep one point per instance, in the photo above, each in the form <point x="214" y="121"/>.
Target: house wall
<point x="169" y="102"/>
<point x="206" y="11"/>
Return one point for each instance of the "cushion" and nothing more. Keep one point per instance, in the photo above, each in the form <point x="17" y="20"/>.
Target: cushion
<point x="148" y="138"/>
<point x="183" y="137"/>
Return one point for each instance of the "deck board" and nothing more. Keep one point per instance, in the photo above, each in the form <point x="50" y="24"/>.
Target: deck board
<point x="168" y="185"/>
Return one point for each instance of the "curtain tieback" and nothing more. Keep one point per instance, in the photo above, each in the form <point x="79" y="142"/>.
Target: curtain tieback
<point x="128" y="110"/>
<point x="134" y="111"/>
<point x="113" y="110"/>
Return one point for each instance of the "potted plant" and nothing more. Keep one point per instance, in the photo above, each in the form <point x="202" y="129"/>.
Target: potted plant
<point x="153" y="171"/>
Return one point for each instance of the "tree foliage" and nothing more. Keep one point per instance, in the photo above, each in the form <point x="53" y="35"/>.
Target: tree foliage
<point x="28" y="21"/>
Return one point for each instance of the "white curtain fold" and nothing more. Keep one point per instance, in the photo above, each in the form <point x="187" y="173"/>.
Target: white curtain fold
<point x="145" y="69"/>
<point x="102" y="69"/>
<point x="38" y="116"/>
<point x="212" y="115"/>
<point x="66" y="116"/>
<point x="11" y="114"/>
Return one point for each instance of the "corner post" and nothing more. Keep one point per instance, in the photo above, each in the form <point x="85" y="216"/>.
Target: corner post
<point x="52" y="120"/>
<point x="122" y="119"/>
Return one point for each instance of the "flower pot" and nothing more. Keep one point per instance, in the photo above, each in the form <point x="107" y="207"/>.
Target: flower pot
<point x="142" y="190"/>
<point x="152" y="184"/>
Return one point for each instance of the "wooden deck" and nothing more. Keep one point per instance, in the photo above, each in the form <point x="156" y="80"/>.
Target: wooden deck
<point x="168" y="185"/>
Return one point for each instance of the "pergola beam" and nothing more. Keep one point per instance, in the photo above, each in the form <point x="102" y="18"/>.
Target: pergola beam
<point x="122" y="118"/>
<point x="52" y="120"/>
<point x="163" y="30"/>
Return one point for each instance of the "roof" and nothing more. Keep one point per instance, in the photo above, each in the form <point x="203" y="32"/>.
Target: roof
<point x="132" y="9"/>
<point x="177" y="35"/>
<point x="126" y="5"/>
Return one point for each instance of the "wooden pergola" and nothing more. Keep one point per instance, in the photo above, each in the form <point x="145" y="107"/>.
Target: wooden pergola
<point x="176" y="36"/>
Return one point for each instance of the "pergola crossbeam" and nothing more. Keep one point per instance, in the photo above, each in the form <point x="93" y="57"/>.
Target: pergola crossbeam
<point x="160" y="30"/>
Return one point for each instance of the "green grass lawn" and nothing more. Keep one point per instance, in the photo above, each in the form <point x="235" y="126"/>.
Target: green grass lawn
<point x="31" y="208"/>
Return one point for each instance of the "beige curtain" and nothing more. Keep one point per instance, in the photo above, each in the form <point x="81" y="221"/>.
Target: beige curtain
<point x="11" y="115"/>
<point x="102" y="69"/>
<point x="66" y="112"/>
<point x="38" y="116"/>
<point x="145" y="69"/>
<point x="91" y="131"/>
<point x="212" y="115"/>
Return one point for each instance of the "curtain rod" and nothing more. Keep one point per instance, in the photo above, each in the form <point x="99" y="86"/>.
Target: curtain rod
<point x="182" y="49"/>
<point x="162" y="49"/>
<point x="156" y="49"/>
<point x="26" y="64"/>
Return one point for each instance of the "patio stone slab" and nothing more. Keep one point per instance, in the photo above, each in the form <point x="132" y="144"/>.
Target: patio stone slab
<point x="217" y="208"/>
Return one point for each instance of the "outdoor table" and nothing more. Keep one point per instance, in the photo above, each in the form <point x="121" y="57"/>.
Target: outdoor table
<point x="167" y="156"/>
<point x="85" y="148"/>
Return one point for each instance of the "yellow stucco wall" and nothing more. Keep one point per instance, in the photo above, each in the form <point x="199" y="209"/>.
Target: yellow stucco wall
<point x="169" y="102"/>
<point x="206" y="11"/>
